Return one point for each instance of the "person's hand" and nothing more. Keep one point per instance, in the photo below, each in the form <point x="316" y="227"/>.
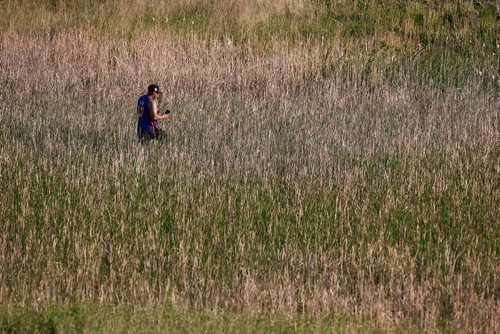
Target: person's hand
<point x="166" y="114"/>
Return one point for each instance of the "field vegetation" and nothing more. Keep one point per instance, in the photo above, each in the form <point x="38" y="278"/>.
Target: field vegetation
<point x="330" y="165"/>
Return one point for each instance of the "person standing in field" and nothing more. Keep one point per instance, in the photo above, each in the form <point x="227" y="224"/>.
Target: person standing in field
<point x="147" y="111"/>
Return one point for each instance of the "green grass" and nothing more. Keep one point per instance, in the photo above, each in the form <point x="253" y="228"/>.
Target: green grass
<point x="57" y="211"/>
<point x="406" y="23"/>
<point x="112" y="319"/>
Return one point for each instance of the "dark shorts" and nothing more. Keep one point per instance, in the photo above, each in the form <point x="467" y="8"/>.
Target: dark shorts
<point x="159" y="134"/>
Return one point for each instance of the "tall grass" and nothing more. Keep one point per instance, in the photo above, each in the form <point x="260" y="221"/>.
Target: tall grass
<point x="303" y="175"/>
<point x="458" y="24"/>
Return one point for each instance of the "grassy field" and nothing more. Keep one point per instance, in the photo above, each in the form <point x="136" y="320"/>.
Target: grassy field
<point x="330" y="166"/>
<point x="126" y="319"/>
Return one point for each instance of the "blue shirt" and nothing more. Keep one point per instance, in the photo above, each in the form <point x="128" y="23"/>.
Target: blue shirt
<point x="145" y="125"/>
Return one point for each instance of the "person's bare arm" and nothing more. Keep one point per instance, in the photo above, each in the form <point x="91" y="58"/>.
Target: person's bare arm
<point x="153" y="110"/>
